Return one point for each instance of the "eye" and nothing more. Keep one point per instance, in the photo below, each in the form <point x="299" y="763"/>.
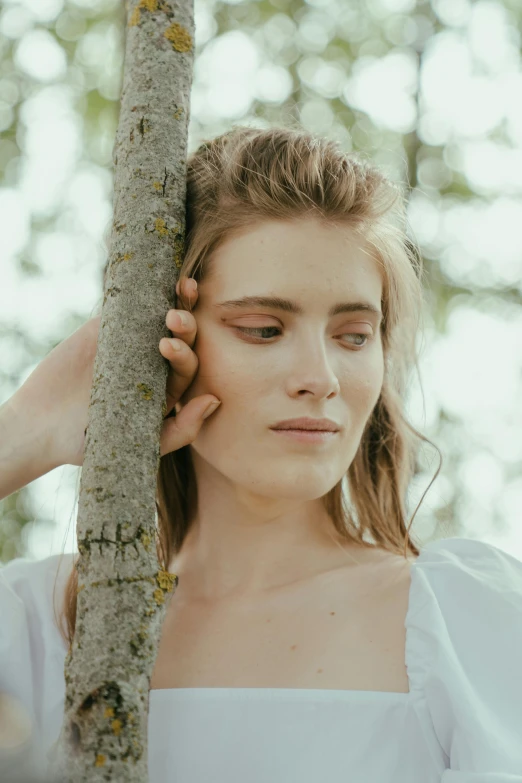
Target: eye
<point x="248" y="330"/>
<point x="367" y="338"/>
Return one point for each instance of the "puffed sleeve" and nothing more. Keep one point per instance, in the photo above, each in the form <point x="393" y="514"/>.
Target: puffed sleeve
<point x="32" y="652"/>
<point x="469" y="625"/>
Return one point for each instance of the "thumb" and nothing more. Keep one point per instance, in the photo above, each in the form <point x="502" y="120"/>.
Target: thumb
<point x="182" y="429"/>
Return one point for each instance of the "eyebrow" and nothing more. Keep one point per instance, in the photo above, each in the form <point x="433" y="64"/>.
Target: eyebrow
<point x="290" y="306"/>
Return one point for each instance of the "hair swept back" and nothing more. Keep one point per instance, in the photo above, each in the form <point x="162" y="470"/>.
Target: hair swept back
<point x="248" y="175"/>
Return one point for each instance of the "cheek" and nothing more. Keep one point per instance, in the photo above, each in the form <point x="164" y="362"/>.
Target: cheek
<point x="223" y="371"/>
<point x="361" y="386"/>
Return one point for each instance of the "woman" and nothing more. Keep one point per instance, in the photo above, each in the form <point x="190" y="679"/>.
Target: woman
<point x="309" y="637"/>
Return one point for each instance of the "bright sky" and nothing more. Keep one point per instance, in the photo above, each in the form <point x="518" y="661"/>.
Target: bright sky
<point x="471" y="86"/>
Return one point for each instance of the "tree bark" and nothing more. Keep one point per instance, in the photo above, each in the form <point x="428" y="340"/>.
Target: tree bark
<point x="122" y="592"/>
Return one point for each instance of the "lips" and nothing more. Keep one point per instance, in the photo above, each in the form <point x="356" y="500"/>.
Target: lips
<point x="307" y="424"/>
<point x="303" y="429"/>
<point x="307" y="436"/>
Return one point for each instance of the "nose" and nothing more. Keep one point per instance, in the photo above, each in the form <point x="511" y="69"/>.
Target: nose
<point x="313" y="372"/>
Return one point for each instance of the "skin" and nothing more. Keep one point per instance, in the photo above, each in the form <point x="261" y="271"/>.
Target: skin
<point x="260" y="524"/>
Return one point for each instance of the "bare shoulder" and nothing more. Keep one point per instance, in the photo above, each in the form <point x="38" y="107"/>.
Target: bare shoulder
<point x="378" y="567"/>
<point x="391" y="573"/>
<point x="377" y="588"/>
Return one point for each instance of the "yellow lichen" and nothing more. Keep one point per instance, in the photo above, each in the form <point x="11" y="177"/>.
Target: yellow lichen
<point x="148" y="393"/>
<point x="109" y="712"/>
<point x="148" y="5"/>
<point x="179" y="247"/>
<point x="100" y="760"/>
<point x="159" y="597"/>
<point x="157" y="185"/>
<point x="116" y="726"/>
<point x="145" y="540"/>
<point x="161" y="228"/>
<point x="179" y="37"/>
<point x="166" y="580"/>
<point x="178" y="113"/>
<point x="135" y="18"/>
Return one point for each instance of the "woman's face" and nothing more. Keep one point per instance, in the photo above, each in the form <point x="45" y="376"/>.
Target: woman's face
<point x="291" y="364"/>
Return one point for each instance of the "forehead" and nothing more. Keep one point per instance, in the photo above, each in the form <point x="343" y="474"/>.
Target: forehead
<point x="305" y="255"/>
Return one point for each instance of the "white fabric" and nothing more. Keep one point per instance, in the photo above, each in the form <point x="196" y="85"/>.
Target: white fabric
<point x="461" y="722"/>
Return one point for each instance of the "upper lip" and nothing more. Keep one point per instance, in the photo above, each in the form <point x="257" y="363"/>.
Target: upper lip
<point x="306" y="424"/>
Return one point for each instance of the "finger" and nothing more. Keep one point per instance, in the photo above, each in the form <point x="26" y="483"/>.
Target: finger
<point x="183" y="367"/>
<point x="184" y="331"/>
<point x="187" y="292"/>
<point x="183" y="429"/>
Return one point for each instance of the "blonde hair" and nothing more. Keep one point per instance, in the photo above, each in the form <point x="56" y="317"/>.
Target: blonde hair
<point x="247" y="176"/>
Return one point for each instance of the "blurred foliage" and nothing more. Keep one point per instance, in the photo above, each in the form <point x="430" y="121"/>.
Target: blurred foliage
<point x="300" y="37"/>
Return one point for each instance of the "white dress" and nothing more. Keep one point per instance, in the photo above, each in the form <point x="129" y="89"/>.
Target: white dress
<point x="461" y="722"/>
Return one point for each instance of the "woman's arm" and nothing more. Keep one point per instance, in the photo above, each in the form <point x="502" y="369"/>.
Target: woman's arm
<point x="43" y="425"/>
<point x="24" y="447"/>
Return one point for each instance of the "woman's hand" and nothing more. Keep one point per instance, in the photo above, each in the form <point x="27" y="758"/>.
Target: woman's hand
<point x="183" y="429"/>
<point x="59" y="388"/>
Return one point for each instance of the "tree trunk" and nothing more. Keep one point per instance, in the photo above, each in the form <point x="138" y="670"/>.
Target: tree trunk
<point x="122" y="592"/>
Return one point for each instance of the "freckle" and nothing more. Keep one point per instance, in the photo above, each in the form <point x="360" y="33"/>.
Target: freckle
<point x="269" y="620"/>
<point x="332" y="612"/>
<point x="319" y="671"/>
<point x="293" y="647"/>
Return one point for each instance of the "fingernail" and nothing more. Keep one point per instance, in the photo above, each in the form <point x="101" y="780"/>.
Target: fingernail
<point x="211" y="408"/>
<point x="176" y="345"/>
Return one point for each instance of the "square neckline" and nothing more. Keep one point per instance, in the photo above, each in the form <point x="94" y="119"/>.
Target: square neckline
<point x="297" y="694"/>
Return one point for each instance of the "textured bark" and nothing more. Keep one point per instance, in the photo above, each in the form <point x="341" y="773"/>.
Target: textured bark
<point x="122" y="592"/>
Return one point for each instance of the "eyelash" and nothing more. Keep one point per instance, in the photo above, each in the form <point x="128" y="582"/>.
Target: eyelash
<point x="263" y="328"/>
